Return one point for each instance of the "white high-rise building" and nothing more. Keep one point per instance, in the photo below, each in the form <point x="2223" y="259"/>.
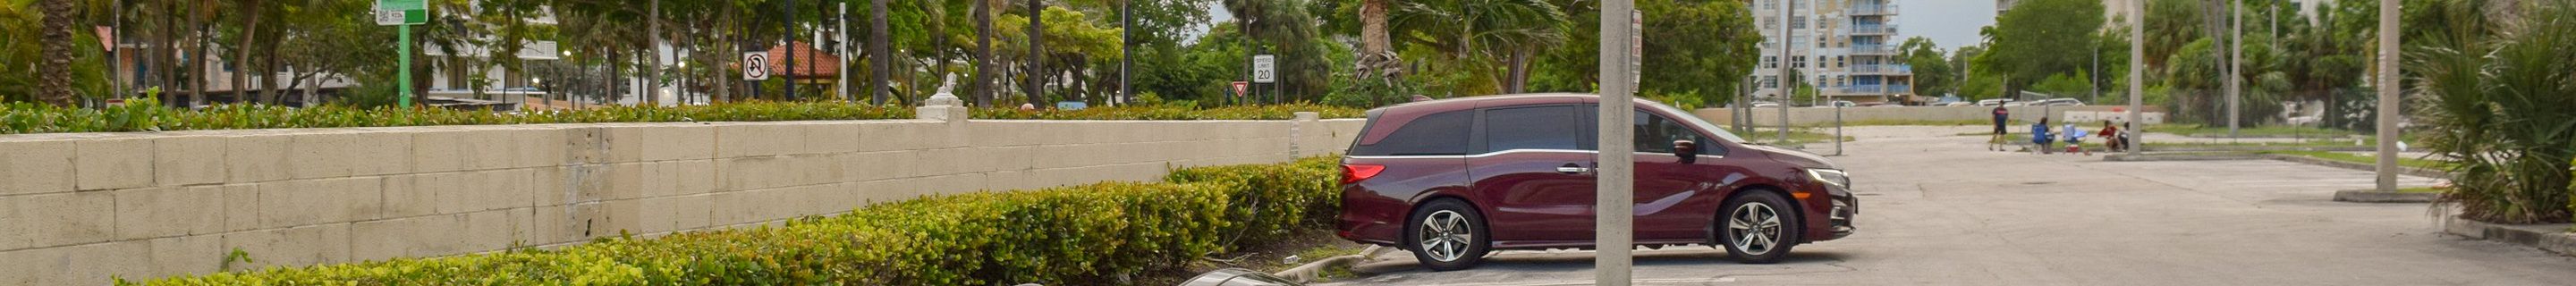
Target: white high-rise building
<point x="1845" y="49"/>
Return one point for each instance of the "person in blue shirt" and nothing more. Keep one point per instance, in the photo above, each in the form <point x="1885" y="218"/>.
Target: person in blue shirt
<point x="2039" y="135"/>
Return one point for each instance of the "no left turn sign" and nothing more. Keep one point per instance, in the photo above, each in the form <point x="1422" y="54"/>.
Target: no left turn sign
<point x="755" y="66"/>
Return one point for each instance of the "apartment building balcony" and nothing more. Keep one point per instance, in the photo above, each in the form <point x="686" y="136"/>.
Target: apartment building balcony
<point x="1869" y="89"/>
<point x="1866" y="9"/>
<point x="1873" y="30"/>
<point x="1873" y="50"/>
<point x="1881" y="69"/>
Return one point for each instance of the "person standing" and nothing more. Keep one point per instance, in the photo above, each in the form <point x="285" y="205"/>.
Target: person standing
<point x="2001" y="115"/>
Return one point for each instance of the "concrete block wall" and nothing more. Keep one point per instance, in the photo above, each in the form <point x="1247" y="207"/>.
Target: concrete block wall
<point x="76" y="209"/>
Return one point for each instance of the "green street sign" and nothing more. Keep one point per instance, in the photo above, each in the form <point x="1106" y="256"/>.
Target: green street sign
<point x="402" y="5"/>
<point x="401" y="17"/>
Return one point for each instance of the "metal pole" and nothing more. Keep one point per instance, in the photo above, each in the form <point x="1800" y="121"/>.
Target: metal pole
<point x="403" y="46"/>
<point x="1126" y="50"/>
<point x="1782" y="80"/>
<point x="1615" y="177"/>
<point x="2235" y="63"/>
<point x="2388" y="110"/>
<point x="2137" y="75"/>
<point x="790" y="47"/>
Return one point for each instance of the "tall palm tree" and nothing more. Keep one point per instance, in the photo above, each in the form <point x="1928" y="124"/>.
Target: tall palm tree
<point x="1498" y="37"/>
<point x="1377" y="52"/>
<point x="54" y="84"/>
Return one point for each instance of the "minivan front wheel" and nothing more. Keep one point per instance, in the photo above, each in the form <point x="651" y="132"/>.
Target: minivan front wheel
<point x="1446" y="235"/>
<point x="1759" y="227"/>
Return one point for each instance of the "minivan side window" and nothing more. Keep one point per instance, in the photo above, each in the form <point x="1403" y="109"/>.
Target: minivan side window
<point x="1656" y="134"/>
<point x="1443" y="133"/>
<point x="1550" y="127"/>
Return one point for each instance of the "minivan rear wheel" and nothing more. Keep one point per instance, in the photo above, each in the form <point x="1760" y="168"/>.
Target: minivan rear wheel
<point x="1758" y="227"/>
<point x="1446" y="235"/>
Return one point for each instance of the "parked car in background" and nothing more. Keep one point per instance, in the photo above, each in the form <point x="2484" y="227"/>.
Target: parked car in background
<point x="2059" y="102"/>
<point x="1843" y="103"/>
<point x="1453" y="179"/>
<point x="1996" y="102"/>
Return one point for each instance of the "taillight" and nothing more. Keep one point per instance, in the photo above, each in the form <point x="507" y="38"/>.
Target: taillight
<point x="1357" y="173"/>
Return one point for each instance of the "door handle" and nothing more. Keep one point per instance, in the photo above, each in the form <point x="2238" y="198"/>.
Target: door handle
<point x="1571" y="169"/>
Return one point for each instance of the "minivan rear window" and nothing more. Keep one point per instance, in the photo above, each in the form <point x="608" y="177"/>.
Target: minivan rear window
<point x="1443" y="133"/>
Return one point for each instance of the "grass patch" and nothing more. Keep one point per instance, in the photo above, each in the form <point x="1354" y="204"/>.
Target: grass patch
<point x="2195" y="129"/>
<point x="1796" y="136"/>
<point x="1907" y="123"/>
<point x="2320" y="143"/>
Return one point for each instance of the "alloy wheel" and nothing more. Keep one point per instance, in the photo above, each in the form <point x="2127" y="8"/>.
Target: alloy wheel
<point x="1445" y="235"/>
<point x="1754" y="227"/>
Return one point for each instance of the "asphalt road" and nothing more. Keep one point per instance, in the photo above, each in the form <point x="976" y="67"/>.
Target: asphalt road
<point x="1937" y="209"/>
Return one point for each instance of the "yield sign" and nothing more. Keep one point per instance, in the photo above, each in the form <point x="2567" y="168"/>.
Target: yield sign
<point x="1239" y="88"/>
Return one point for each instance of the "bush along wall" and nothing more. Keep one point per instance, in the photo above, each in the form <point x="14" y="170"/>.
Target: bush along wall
<point x="145" y="114"/>
<point x="1076" y="235"/>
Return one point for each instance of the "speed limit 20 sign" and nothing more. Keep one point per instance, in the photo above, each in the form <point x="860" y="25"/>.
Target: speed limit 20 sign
<point x="1263" y="69"/>
<point x="755" y="66"/>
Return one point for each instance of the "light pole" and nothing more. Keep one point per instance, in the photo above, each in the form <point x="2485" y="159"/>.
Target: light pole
<point x="2387" y="85"/>
<point x="1615" y="165"/>
<point x="2137" y="77"/>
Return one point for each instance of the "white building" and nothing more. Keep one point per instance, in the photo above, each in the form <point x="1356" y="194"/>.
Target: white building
<point x="1846" y="49"/>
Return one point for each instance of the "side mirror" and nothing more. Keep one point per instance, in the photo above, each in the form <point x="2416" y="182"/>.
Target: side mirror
<point x="1688" y="151"/>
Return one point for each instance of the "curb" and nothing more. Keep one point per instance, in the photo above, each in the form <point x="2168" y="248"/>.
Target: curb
<point x="2549" y="237"/>
<point x="2410" y="171"/>
<point x="2259" y="148"/>
<point x="1308" y="272"/>
<point x="2376" y="196"/>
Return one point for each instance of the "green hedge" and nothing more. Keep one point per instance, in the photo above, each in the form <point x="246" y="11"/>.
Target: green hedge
<point x="1087" y="234"/>
<point x="150" y="115"/>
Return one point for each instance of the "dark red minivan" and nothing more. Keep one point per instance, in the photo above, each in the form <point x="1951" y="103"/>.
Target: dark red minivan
<point x="1453" y="179"/>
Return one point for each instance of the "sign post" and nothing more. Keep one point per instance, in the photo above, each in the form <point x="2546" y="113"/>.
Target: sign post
<point x="402" y="14"/>
<point x="1265" y="71"/>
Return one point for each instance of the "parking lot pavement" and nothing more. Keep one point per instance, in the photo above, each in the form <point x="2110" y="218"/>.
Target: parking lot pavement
<point x="1937" y="209"/>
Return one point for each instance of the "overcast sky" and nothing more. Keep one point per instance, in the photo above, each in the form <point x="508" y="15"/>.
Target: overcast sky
<point x="1952" y="23"/>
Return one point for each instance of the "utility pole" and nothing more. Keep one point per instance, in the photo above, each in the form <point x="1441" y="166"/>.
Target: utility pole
<point x="2235" y="65"/>
<point x="2388" y="111"/>
<point x="2137" y="76"/>
<point x="1615" y="167"/>
<point x="1783" y="79"/>
<point x="790" y="47"/>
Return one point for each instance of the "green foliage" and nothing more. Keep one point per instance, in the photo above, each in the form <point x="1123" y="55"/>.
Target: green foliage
<point x="2065" y="85"/>
<point x="1087" y="234"/>
<point x="2503" y="111"/>
<point x="2031" y="42"/>
<point x="1933" y="74"/>
<point x="144" y="114"/>
<point x="1139" y="112"/>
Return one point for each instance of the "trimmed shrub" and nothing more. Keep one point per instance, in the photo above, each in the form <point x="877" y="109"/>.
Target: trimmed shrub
<point x="146" y="114"/>
<point x="149" y="115"/>
<point x="1087" y="234"/>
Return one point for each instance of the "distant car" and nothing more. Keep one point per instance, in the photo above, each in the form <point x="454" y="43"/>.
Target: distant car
<point x="1765" y="105"/>
<point x="1452" y="179"/>
<point x="2059" y="102"/>
<point x="1843" y="103"/>
<point x="1959" y="104"/>
<point x="1888" y="105"/>
<point x="1996" y="102"/>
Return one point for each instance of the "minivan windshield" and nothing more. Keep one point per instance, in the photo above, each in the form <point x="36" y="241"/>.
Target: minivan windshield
<point x="1695" y="121"/>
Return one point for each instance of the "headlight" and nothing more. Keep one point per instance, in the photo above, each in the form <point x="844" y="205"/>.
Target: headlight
<point x="1831" y="176"/>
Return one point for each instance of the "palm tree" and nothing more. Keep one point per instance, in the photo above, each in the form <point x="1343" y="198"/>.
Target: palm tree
<point x="1377" y="53"/>
<point x="881" y="56"/>
<point x="983" y="84"/>
<point x="54" y="85"/>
